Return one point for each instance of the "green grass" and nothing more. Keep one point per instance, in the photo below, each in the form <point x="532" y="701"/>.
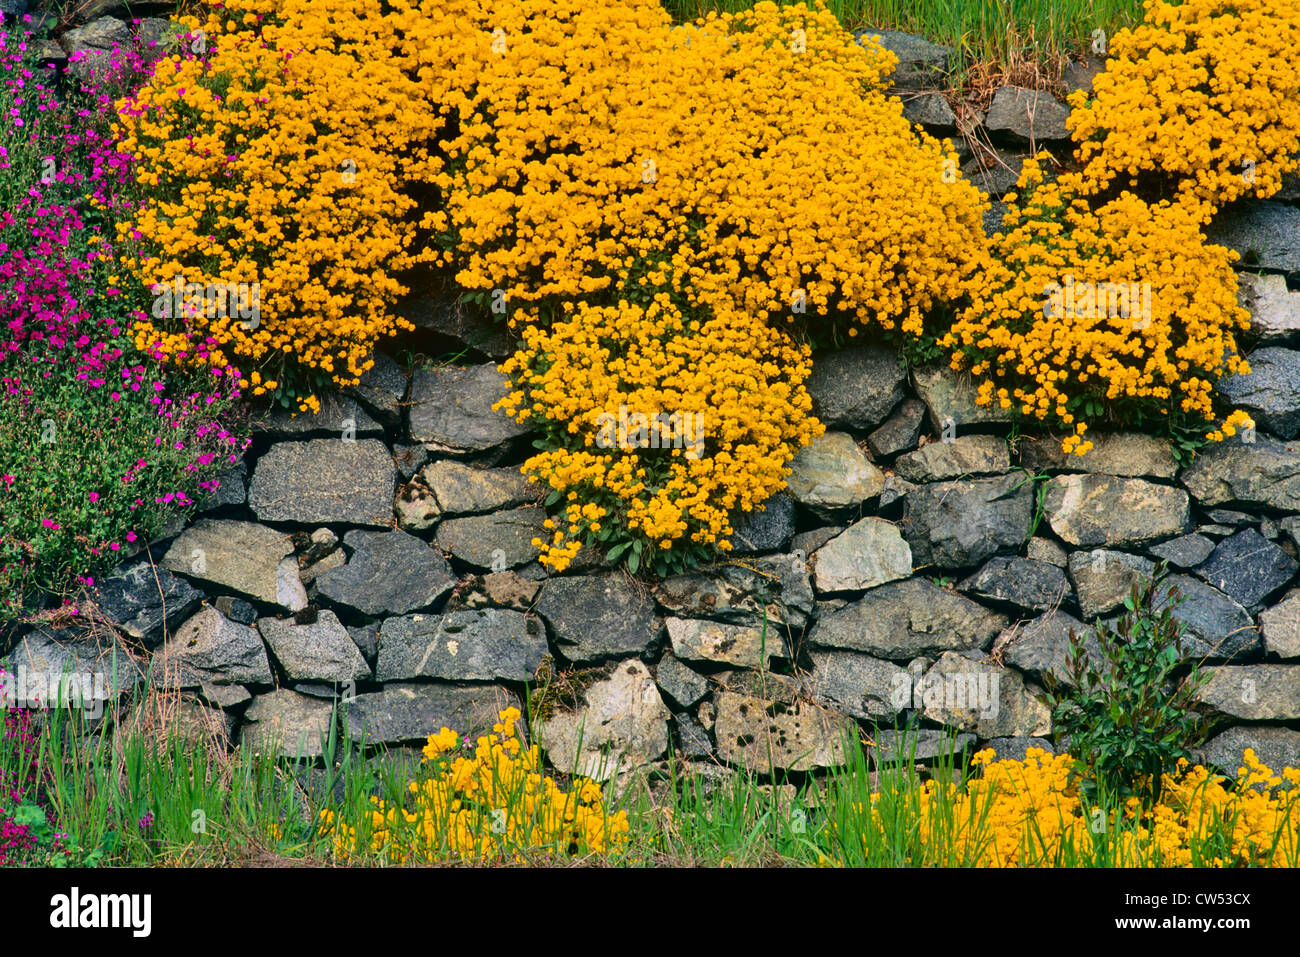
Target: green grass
<point x="995" y="32"/>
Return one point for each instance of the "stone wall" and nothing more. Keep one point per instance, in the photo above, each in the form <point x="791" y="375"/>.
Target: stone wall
<point x="378" y="556"/>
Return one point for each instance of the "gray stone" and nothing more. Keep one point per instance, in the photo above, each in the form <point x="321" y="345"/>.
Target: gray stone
<point x="1128" y="454"/>
<point x="859" y="685"/>
<point x="210" y="649"/>
<point x="1277" y="748"/>
<point x="406" y="713"/>
<point x="366" y="638"/>
<point x="921" y="64"/>
<point x="1104" y="578"/>
<point x="594" y="617"/>
<point x="1088" y="511"/>
<point x="340" y="418"/>
<point x="778" y="586"/>
<point x="1046" y="550"/>
<point x="388" y="573"/>
<point x="1227" y="516"/>
<point x="929" y="109"/>
<point x="995" y="174"/>
<point x="994" y="215"/>
<point x="765" y="529"/>
<point x="101" y="34"/>
<point x="1042" y="646"/>
<point x="1248" y="568"/>
<point x="1022" y="582"/>
<point x="320" y="651"/>
<point x="900" y="431"/>
<point x="409" y="459"/>
<point x="504" y="590"/>
<point x="1274" y="309"/>
<point x="621" y="724"/>
<point x="497" y="541"/>
<point x="1265" y="233"/>
<point x="967" y="691"/>
<point x="1264" y="473"/>
<point x="960" y="524"/>
<point x="904" y="619"/>
<point x="680" y="683"/>
<point x="1281" y="626"/>
<point x="464" y="490"/>
<point x="964" y="455"/>
<point x="236" y="609"/>
<point x="325" y="480"/>
<point x="103" y="666"/>
<point x="382" y="389"/>
<point x="868" y="553"/>
<point x="152" y="30"/>
<point x="287" y="724"/>
<point x="743" y="645"/>
<point x="1254" y="692"/>
<point x="918" y="744"/>
<point x="950" y="397"/>
<point x="1216" y="626"/>
<point x="1017" y="749"/>
<point x="1032" y="115"/>
<point x="764" y="736"/>
<point x="231" y="490"/>
<point x="1270" y="394"/>
<point x="451" y="409"/>
<point x="145" y="601"/>
<point x="244" y="556"/>
<point x="444" y="315"/>
<point x="1185" y="551"/>
<point x="857" y="387"/>
<point x="693" y="740"/>
<point x="1079" y="76"/>
<point x="481" y="645"/>
<point x="833" y="473"/>
<point x="805" y="543"/>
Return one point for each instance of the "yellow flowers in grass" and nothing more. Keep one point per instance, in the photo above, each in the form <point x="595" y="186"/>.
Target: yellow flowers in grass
<point x="1029" y="814"/>
<point x="283" y="158"/>
<point x="1123" y="305"/>
<point x="491" y="804"/>
<point x="724" y="411"/>
<point x="1203" y="92"/>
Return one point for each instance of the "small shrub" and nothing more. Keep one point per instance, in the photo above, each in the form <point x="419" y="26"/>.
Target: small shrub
<point x="1203" y="95"/>
<point x="1148" y="335"/>
<point x="1128" y="718"/>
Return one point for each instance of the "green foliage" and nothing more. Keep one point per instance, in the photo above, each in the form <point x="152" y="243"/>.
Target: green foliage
<point x="1128" y="718"/>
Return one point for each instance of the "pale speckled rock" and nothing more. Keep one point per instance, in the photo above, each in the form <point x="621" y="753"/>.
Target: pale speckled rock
<point x="1128" y="454"/>
<point x="451" y="409"/>
<point x="480" y="645"/>
<point x="622" y="724"/>
<point x="1104" y="578"/>
<point x="948" y="394"/>
<point x="856" y="684"/>
<point x="964" y="455"/>
<point x="702" y="640"/>
<point x="868" y="553"/>
<point x="1254" y="692"/>
<point x="211" y="649"/>
<point x="833" y="473"/>
<point x="1102" y="510"/>
<point x="318" y="651"/>
<point x="1281" y="626"/>
<point x="244" y="556"/>
<point x="762" y="735"/>
<point x="323" y="481"/>
<point x="497" y="541"/>
<point x="966" y="690"/>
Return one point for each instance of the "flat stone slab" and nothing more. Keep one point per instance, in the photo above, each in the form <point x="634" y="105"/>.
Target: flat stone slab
<point x="866" y="688"/>
<point x="288" y="724"/>
<point x="1266" y="233"/>
<point x="1248" y="568"/>
<point x="1089" y="510"/>
<point x="1127" y="454"/>
<point x="409" y="713"/>
<point x="961" y="524"/>
<point x="211" y="649"/>
<point x="319" y="651"/>
<point x="1028" y="114"/>
<point x="1270" y="394"/>
<point x="833" y="473"/>
<point x="1254" y="692"/>
<point x="857" y="387"/>
<point x="388" y="573"/>
<point x="949" y="397"/>
<point x="594" y="617"/>
<point x="325" y="480"/>
<point x="482" y="645"/>
<point x="869" y="552"/>
<point x="451" y="409"/>
<point x="497" y="541"/>
<point x="742" y="645"/>
<point x="246" y="557"/>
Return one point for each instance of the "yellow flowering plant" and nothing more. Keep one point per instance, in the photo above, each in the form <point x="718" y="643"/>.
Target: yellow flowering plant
<point x="657" y="426"/>
<point x="276" y="151"/>
<point x="1203" y="95"/>
<point x="1121" y="310"/>
<point x="488" y="801"/>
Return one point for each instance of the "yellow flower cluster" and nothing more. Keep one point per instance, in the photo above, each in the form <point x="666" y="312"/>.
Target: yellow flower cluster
<point x="495" y="804"/>
<point x="752" y="156"/>
<point x="661" y="423"/>
<point x="1029" y="813"/>
<point x="1205" y="92"/>
<point x="277" y="155"/>
<point x="1124" y="303"/>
